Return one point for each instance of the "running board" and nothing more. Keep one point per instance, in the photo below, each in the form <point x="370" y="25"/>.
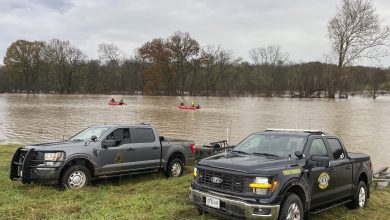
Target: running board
<point x="125" y="174"/>
<point x="316" y="211"/>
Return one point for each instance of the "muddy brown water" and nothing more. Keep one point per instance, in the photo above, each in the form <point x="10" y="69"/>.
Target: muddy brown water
<point x="363" y="124"/>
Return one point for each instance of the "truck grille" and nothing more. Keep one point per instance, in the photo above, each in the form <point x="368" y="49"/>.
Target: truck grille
<point x="230" y="182"/>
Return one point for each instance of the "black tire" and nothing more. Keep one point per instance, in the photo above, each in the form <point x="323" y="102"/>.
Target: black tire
<point x="357" y="200"/>
<point x="75" y="177"/>
<point x="292" y="205"/>
<point x="175" y="168"/>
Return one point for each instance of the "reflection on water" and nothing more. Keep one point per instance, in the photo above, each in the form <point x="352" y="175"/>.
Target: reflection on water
<point x="363" y="124"/>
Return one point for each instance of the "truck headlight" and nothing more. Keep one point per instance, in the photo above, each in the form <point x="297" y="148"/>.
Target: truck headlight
<point x="195" y="172"/>
<point x="262" y="185"/>
<point x="53" y="157"/>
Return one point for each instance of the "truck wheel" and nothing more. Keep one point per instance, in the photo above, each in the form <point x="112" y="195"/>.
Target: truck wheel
<point x="360" y="197"/>
<point x="76" y="177"/>
<point x="292" y="208"/>
<point x="175" y="168"/>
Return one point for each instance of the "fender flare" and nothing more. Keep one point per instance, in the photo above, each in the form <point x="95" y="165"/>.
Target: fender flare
<point x="78" y="156"/>
<point x="170" y="153"/>
<point x="299" y="182"/>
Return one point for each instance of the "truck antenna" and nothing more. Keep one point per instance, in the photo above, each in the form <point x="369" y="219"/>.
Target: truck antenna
<point x="63" y="134"/>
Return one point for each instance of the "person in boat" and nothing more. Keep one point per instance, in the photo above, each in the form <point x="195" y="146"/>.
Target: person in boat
<point x="193" y="103"/>
<point x="121" y="102"/>
<point x="182" y="102"/>
<point x="112" y="99"/>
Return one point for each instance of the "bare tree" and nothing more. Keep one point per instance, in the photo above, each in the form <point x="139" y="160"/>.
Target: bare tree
<point x="184" y="48"/>
<point x="271" y="55"/>
<point x="65" y="60"/>
<point x="109" y="53"/>
<point x="209" y="58"/>
<point x="356" y="32"/>
<point x="267" y="61"/>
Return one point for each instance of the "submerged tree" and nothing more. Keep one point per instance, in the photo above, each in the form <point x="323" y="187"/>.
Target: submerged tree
<point x="355" y="32"/>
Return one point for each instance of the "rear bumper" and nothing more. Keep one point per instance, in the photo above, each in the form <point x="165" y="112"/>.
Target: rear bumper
<point x="234" y="208"/>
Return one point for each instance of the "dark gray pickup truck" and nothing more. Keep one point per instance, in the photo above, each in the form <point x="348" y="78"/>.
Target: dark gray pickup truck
<point x="101" y="151"/>
<point x="281" y="174"/>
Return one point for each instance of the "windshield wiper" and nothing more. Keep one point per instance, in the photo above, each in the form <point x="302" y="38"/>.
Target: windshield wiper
<point x="76" y="140"/>
<point x="242" y="152"/>
<point x="265" y="154"/>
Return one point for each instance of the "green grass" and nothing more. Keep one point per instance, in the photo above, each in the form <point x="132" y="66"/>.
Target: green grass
<point x="147" y="196"/>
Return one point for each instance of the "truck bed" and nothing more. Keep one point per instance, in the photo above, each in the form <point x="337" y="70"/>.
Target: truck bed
<point x="358" y="157"/>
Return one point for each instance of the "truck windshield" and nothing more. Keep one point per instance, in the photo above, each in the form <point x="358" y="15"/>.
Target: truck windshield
<point x="271" y="145"/>
<point x="86" y="134"/>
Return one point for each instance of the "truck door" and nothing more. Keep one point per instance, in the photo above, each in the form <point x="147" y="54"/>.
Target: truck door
<point x="147" y="149"/>
<point x="116" y="157"/>
<point x="341" y="169"/>
<point x="320" y="178"/>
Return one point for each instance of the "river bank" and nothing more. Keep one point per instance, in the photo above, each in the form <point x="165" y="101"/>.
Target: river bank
<point x="149" y="196"/>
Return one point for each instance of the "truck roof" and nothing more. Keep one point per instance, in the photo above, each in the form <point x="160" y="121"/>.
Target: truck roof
<point x="122" y="125"/>
<point x="303" y="132"/>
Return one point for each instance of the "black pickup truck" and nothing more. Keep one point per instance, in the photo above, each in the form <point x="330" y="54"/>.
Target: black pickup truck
<point x="101" y="151"/>
<point x="281" y="174"/>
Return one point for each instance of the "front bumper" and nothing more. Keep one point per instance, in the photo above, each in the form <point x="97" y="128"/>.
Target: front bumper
<point x="24" y="167"/>
<point x="233" y="208"/>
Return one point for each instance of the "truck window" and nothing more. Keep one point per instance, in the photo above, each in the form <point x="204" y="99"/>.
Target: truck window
<point x="120" y="135"/>
<point x="318" y="148"/>
<point x="278" y="145"/>
<point x="337" y="149"/>
<point x="143" y="135"/>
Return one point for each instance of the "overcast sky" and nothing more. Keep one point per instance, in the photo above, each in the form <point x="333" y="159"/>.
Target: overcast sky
<point x="298" y="26"/>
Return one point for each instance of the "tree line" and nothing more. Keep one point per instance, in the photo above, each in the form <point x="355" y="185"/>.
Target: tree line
<point x="179" y="65"/>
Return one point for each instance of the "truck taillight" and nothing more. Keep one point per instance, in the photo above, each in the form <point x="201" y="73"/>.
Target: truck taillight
<point x="193" y="148"/>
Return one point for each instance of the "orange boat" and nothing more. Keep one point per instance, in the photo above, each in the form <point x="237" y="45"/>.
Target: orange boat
<point x="188" y="107"/>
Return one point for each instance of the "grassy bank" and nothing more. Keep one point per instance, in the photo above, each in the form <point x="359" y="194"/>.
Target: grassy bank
<point x="149" y="196"/>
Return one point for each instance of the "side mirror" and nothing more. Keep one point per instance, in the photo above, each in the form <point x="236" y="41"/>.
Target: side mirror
<point x="320" y="161"/>
<point x="299" y="154"/>
<point x="108" y="143"/>
<point x="93" y="138"/>
<point x="162" y="138"/>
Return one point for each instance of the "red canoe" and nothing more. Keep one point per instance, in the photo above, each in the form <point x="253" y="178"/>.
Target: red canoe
<point x="116" y="103"/>
<point x="188" y="107"/>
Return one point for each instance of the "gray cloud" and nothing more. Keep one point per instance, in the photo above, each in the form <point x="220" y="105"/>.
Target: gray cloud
<point x="298" y="26"/>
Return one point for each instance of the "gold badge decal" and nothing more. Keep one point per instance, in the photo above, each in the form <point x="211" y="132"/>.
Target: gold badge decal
<point x="323" y="180"/>
<point x="118" y="158"/>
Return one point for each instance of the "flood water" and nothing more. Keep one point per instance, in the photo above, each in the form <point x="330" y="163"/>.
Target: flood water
<point x="363" y="124"/>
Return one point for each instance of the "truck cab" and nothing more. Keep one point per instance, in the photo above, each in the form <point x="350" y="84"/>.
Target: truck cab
<point x="281" y="174"/>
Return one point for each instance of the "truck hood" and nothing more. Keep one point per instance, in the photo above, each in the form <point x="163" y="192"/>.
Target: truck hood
<point x="248" y="163"/>
<point x="58" y="145"/>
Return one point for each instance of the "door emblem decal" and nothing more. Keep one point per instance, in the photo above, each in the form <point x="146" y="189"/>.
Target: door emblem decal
<point x="323" y="180"/>
<point x="118" y="158"/>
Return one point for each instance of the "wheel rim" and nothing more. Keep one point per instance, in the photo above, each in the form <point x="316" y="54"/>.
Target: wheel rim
<point x="293" y="212"/>
<point x="77" y="179"/>
<point x="362" y="197"/>
<point x="176" y="169"/>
